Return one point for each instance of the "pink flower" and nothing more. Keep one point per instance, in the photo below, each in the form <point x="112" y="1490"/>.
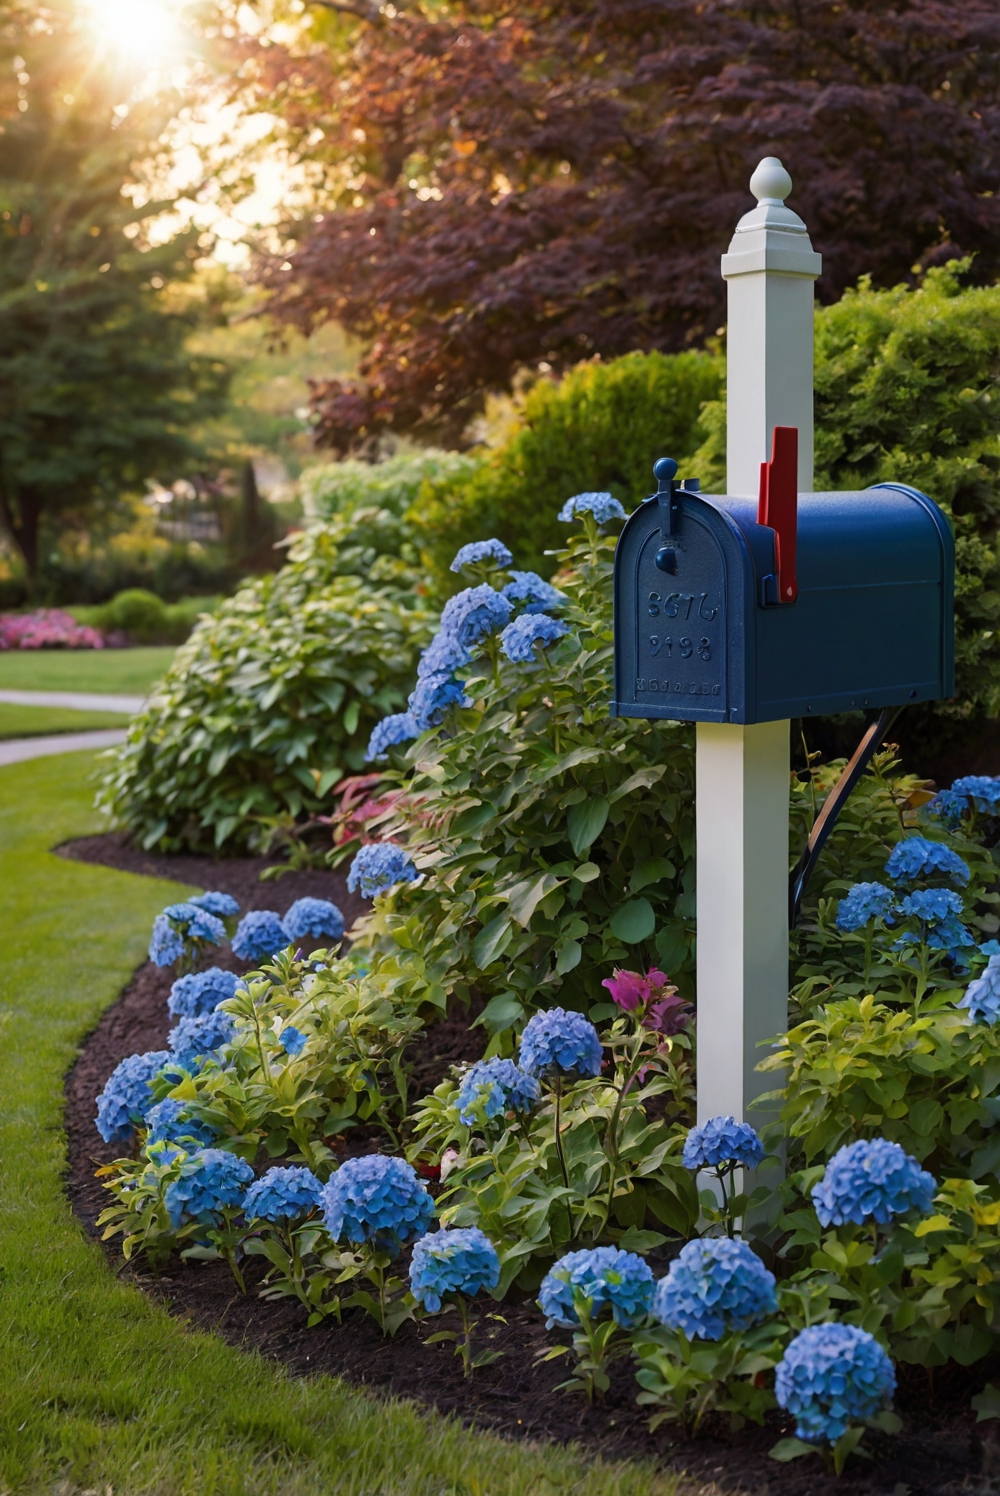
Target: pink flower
<point x="671" y="1015"/>
<point x="628" y="989"/>
<point x="47" y="628"/>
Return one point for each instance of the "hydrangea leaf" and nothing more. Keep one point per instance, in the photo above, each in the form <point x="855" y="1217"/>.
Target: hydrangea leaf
<point x="501" y="1012"/>
<point x="651" y="870"/>
<point x="525" y="897"/>
<point x="586" y="821"/>
<point x="568" y="956"/>
<point x="634" y="921"/>
<point x="491" y="940"/>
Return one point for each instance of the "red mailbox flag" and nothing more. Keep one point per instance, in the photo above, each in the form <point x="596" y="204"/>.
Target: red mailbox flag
<point x="778" y="506"/>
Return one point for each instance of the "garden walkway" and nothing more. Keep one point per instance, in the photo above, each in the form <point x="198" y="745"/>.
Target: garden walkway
<point x="18" y="749"/>
<point x="80" y="701"/>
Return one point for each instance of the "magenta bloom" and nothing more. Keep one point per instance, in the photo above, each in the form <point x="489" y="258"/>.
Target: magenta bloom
<point x="630" y="990"/>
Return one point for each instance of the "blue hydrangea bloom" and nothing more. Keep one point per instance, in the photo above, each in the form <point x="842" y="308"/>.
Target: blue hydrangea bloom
<point x="222" y="905"/>
<point x="874" y="1179"/>
<point x="376" y="1199"/>
<point x="210" y="1180"/>
<point x="282" y="1194"/>
<point x="193" y="1038"/>
<point x="533" y="591"/>
<point x="482" y="550"/>
<point x="982" y="997"/>
<point x="722" y="1140"/>
<point x="168" y="1122"/>
<point x="519" y="638"/>
<point x="126" y="1096"/>
<point x="951" y="936"/>
<point x="931" y="905"/>
<point x="443" y="656"/>
<point x="470" y="615"/>
<point x="292" y="1040"/>
<point x="715" y="1285"/>
<point x="378" y="866"/>
<point x="431" y="698"/>
<point x="497" y="1086"/>
<point x="603" y="506"/>
<point x="201" y="991"/>
<point x="948" y="806"/>
<point x="864" y="903"/>
<point x="179" y="926"/>
<point x="398" y="728"/>
<point x="557" y="1041"/>
<point x="446" y="1262"/>
<point x="831" y="1375"/>
<point x="916" y="857"/>
<point x="981" y="789"/>
<point x="315" y="917"/>
<point x="259" y="934"/>
<point x="166" y="945"/>
<point x="608" y="1276"/>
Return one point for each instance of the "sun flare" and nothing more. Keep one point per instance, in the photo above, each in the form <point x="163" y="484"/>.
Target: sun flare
<point x="146" y="32"/>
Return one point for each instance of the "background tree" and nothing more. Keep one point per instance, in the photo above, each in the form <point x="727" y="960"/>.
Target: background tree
<point x="513" y="184"/>
<point x="97" y="389"/>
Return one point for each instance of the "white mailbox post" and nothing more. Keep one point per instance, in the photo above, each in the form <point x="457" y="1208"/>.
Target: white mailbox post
<point x="742" y="777"/>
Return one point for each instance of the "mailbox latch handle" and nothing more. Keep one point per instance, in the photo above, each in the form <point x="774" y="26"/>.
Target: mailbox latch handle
<point x="778" y="508"/>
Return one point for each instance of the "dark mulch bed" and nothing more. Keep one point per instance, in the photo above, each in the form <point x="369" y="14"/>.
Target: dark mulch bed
<point x="941" y="1450"/>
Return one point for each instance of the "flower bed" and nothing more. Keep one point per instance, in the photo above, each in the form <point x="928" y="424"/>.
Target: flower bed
<point x="280" y="1134"/>
<point x="46" y="628"/>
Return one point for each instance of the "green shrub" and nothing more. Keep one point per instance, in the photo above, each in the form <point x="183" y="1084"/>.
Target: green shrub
<point x="272" y="700"/>
<point x="145" y="618"/>
<point x="600" y="427"/>
<point x="556" y="841"/>
<point x="908" y="390"/>
<point x="341" y="487"/>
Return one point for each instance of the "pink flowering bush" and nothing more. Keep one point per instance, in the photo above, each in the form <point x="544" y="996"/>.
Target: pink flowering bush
<point x="46" y="628"/>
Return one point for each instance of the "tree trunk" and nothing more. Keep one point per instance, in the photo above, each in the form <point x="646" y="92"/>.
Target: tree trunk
<point x="23" y="521"/>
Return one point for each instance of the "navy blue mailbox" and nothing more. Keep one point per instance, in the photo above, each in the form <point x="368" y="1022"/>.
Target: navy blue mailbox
<point x="731" y="610"/>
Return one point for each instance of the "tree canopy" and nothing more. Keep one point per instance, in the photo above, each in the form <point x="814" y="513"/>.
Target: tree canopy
<point x="508" y="185"/>
<point x="97" y="389"/>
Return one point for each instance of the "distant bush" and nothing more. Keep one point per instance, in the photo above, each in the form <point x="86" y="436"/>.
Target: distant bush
<point x="601" y="427"/>
<point x="908" y="389"/>
<point x="342" y="487"/>
<point x="273" y="699"/>
<point x="143" y="618"/>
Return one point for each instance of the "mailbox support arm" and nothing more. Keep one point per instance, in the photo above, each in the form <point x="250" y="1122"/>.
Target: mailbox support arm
<point x="833" y="805"/>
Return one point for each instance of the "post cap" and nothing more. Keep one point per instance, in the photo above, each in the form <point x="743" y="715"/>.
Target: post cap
<point x="770" y="183"/>
<point x="771" y="238"/>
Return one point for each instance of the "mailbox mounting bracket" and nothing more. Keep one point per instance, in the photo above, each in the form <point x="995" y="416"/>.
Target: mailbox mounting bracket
<point x="833" y="805"/>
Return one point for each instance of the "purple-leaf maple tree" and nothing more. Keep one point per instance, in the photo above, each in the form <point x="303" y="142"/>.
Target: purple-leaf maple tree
<point x="514" y="185"/>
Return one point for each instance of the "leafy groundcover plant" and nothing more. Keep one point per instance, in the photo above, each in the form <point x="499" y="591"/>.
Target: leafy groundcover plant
<point x="559" y="1162"/>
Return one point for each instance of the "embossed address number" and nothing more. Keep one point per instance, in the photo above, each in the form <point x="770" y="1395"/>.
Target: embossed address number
<point x="685" y="647"/>
<point x="679" y="605"/>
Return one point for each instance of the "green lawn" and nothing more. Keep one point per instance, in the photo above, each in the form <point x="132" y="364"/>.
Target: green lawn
<point x="102" y="1390"/>
<point x="38" y="721"/>
<point x="131" y="671"/>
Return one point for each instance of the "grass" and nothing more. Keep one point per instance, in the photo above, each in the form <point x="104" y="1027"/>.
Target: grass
<point x="130" y="671"/>
<point x="102" y="1389"/>
<point x="39" y="721"/>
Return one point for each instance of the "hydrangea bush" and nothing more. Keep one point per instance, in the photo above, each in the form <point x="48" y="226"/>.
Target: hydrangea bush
<point x="553" y="841"/>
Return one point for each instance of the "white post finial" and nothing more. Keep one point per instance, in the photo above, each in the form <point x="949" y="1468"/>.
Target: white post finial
<point x="743" y="771"/>
<point x="770" y="268"/>
<point x="770" y="183"/>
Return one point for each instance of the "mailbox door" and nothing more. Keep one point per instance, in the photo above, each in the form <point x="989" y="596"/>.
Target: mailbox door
<point x="681" y="633"/>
